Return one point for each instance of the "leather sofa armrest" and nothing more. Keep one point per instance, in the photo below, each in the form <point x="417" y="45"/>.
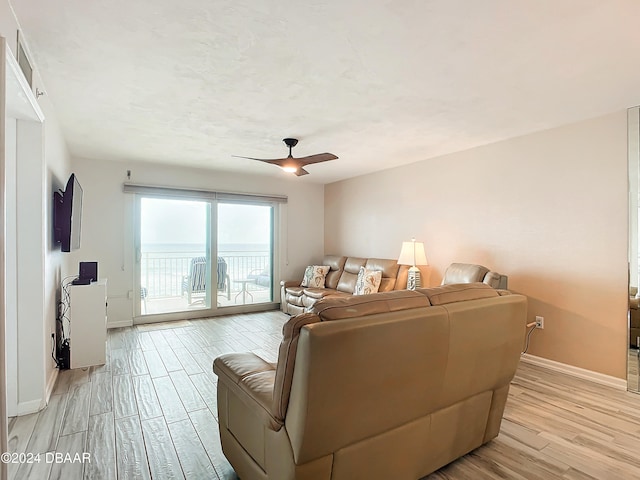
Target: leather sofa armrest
<point x="251" y="379"/>
<point x="496" y="280"/>
<point x="284" y="284"/>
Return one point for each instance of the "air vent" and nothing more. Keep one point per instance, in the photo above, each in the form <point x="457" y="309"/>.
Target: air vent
<point x="24" y="63"/>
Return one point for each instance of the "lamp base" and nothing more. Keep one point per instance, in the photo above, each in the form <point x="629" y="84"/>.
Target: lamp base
<point x="413" y="279"/>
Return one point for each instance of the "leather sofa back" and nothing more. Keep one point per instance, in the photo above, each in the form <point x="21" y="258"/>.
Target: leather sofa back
<point x="464" y="273"/>
<point x="469" y="273"/>
<point x="399" y="365"/>
<point x="340" y="308"/>
<point x="336" y="264"/>
<point x="338" y="398"/>
<point x="347" y="282"/>
<point x="390" y="270"/>
<point x="412" y="359"/>
<point x="286" y="361"/>
<point x="496" y="280"/>
<point x="458" y="293"/>
<point x="337" y="308"/>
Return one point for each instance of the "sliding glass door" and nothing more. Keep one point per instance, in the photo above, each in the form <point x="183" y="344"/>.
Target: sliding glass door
<point x="198" y="256"/>
<point x="174" y="258"/>
<point x="245" y="245"/>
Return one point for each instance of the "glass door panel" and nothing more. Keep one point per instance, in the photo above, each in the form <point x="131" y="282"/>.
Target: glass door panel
<point x="174" y="255"/>
<point x="245" y="248"/>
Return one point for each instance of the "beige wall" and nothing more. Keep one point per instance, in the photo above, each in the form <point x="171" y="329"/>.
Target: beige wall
<point x="548" y="209"/>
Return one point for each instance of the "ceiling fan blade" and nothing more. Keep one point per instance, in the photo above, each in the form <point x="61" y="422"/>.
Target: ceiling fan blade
<point x="275" y="160"/>
<point x="320" y="157"/>
<point x="284" y="162"/>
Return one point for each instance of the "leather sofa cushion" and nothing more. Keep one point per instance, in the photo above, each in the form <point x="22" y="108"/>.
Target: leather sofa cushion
<point x="336" y="264"/>
<point x="347" y="282"/>
<point x="389" y="269"/>
<point x="458" y="292"/>
<point x="464" y="273"/>
<point x="294" y="291"/>
<point x="493" y="279"/>
<point x="309" y="301"/>
<point x="295" y="297"/>
<point x="338" y="308"/>
<point x="252" y="374"/>
<point x="318" y="293"/>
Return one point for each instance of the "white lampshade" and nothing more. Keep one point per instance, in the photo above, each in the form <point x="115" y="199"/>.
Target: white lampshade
<point x="412" y="253"/>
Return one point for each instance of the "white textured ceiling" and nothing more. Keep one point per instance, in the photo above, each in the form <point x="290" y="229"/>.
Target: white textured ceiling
<point x="379" y="83"/>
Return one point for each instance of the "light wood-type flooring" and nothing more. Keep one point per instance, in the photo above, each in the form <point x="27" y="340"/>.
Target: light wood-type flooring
<point x="150" y="413"/>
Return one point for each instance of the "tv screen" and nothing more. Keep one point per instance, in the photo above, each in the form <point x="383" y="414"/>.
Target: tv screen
<point x="68" y="215"/>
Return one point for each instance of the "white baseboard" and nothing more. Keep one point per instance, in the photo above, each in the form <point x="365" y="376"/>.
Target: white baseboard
<point x="600" y="378"/>
<point x="32" y="406"/>
<point x="50" y="386"/>
<point x="120" y="323"/>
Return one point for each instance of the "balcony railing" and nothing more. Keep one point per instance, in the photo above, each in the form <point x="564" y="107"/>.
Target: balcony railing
<point x="162" y="273"/>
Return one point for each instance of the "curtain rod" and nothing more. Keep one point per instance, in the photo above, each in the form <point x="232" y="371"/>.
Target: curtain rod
<point x="199" y="192"/>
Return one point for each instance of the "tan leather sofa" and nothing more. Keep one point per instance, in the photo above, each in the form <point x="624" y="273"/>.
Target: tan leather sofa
<point x="470" y="273"/>
<point x="340" y="281"/>
<point x="388" y="385"/>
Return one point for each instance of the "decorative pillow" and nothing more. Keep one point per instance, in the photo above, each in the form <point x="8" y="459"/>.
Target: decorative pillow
<point x="314" y="276"/>
<point x="368" y="281"/>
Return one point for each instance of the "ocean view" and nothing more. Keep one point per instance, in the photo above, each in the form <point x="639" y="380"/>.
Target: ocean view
<point x="199" y="248"/>
<point x="164" y="266"/>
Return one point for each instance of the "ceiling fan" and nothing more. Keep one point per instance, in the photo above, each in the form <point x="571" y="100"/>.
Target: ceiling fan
<point x="295" y="165"/>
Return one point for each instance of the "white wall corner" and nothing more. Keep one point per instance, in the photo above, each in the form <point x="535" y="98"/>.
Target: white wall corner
<point x="32" y="406"/>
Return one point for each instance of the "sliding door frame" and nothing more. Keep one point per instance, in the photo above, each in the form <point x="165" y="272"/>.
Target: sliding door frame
<point x="146" y="191"/>
<point x="210" y="250"/>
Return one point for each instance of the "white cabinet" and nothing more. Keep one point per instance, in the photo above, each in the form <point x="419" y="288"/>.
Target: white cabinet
<point x="88" y="324"/>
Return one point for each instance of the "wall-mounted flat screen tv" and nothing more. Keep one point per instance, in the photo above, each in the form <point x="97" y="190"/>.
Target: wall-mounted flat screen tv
<point x="68" y="215"/>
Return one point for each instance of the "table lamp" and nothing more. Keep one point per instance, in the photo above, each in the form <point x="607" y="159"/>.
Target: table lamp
<point x="412" y="253"/>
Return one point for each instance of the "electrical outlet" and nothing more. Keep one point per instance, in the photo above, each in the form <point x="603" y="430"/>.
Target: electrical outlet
<point x="539" y="322"/>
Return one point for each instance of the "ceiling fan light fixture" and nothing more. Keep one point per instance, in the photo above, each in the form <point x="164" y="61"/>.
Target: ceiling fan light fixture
<point x="290" y="164"/>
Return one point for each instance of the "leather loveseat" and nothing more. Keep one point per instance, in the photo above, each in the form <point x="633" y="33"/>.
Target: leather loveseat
<point x="340" y="281"/>
<point x="387" y="385"/>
